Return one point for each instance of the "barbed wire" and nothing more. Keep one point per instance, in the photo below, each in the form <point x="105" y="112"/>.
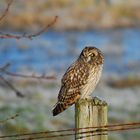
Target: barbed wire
<point x="99" y="130"/>
<point x="109" y="130"/>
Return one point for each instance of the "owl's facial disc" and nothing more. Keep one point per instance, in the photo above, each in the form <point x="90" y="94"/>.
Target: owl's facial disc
<point x="91" y="54"/>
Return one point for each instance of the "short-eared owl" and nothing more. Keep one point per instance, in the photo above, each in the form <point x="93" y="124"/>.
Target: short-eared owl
<point x="80" y="79"/>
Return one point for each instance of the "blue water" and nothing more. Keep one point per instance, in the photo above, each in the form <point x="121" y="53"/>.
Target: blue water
<point x="55" y="51"/>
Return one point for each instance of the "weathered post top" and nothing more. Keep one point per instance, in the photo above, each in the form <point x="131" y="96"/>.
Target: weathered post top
<point x="91" y="113"/>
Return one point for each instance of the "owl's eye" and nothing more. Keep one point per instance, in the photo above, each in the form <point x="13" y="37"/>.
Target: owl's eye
<point x="93" y="55"/>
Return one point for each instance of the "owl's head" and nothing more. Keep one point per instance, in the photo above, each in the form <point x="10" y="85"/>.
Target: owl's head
<point x="92" y="55"/>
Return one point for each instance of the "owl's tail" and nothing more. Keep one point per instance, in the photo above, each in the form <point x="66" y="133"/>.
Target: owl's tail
<point x="59" y="107"/>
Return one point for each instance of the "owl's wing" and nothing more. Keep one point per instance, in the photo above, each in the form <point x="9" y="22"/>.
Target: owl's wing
<point x="76" y="75"/>
<point x="66" y="98"/>
<point x="72" y="82"/>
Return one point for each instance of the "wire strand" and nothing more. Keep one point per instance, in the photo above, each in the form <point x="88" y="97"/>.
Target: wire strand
<point x="93" y="133"/>
<point x="117" y="127"/>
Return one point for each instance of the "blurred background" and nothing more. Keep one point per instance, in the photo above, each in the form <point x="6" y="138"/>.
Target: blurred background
<point x="111" y="25"/>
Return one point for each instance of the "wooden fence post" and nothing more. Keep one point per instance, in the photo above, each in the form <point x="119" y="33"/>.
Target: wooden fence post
<point x="91" y="113"/>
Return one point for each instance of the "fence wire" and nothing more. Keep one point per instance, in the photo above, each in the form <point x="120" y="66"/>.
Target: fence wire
<point x="87" y="131"/>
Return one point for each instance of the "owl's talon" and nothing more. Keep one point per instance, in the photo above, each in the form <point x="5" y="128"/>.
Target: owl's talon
<point x="98" y="101"/>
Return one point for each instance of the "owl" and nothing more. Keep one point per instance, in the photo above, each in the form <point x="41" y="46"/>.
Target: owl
<point x="80" y="79"/>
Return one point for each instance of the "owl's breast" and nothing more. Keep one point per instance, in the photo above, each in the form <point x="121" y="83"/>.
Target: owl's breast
<point x="92" y="81"/>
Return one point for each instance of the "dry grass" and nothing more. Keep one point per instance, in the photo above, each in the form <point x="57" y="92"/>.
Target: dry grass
<point x="77" y="14"/>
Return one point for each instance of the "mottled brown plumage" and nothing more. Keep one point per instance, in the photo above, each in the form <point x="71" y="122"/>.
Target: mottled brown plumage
<point x="80" y="79"/>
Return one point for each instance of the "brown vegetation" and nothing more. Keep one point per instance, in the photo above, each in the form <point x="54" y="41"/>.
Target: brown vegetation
<point x="125" y="83"/>
<point x="72" y="15"/>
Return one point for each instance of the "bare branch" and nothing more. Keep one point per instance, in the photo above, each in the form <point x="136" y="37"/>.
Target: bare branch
<point x="6" y="10"/>
<point x="10" y="118"/>
<point x="18" y="93"/>
<point x="30" y="76"/>
<point x="4" y="70"/>
<point x="29" y="36"/>
<point x="43" y="30"/>
<point x="5" y="67"/>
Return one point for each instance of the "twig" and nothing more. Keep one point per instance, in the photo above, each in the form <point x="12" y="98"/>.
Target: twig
<point x="18" y="93"/>
<point x="28" y="36"/>
<point x="43" y="30"/>
<point x="4" y="70"/>
<point x="5" y="67"/>
<point x="10" y="118"/>
<point x="30" y="76"/>
<point x="6" y="10"/>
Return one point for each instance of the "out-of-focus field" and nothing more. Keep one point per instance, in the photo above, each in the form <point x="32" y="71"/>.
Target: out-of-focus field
<point x="35" y="108"/>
